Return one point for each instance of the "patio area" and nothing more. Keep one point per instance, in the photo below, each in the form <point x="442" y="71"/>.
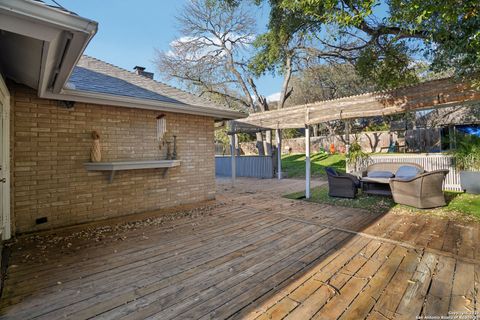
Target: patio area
<point x="251" y="254"/>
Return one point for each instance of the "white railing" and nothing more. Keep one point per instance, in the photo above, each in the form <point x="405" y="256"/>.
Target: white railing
<point x="429" y="162"/>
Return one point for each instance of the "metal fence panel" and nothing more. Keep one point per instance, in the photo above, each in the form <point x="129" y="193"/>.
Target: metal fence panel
<point x="247" y="166"/>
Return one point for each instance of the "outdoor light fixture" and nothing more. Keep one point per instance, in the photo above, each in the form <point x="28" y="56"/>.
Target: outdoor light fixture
<point x="66" y="104"/>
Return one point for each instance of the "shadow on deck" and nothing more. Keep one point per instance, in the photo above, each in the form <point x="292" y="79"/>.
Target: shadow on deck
<point x="252" y="254"/>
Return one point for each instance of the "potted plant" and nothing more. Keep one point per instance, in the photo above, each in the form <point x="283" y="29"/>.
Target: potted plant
<point x="357" y="160"/>
<point x="467" y="161"/>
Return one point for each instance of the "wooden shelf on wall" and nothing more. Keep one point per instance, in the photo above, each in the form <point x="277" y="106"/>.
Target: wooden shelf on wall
<point x="114" y="166"/>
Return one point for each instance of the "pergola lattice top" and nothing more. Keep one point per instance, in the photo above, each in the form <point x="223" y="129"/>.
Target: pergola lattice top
<point x="431" y="94"/>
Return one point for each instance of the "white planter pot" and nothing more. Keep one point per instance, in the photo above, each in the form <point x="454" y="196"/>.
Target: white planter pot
<point x="470" y="181"/>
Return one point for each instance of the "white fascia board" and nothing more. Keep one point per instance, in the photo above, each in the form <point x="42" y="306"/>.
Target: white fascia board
<point x="53" y="26"/>
<point x="128" y="102"/>
<point x="38" y="11"/>
<point x="16" y="23"/>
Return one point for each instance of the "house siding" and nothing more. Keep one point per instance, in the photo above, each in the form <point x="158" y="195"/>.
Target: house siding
<point x="50" y="144"/>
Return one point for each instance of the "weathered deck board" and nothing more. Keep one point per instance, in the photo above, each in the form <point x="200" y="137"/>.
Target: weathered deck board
<point x="127" y="261"/>
<point x="389" y="300"/>
<point x="439" y="295"/>
<point x="463" y="294"/>
<point x="255" y="255"/>
<point x="412" y="300"/>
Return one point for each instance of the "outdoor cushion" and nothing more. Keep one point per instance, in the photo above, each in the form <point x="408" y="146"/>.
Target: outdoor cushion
<point x="331" y="171"/>
<point x="407" y="172"/>
<point x="380" y="174"/>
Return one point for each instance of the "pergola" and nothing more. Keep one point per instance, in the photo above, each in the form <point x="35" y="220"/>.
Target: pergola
<point x="427" y="95"/>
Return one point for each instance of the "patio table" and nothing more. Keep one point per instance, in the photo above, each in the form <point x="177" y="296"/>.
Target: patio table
<point x="376" y="186"/>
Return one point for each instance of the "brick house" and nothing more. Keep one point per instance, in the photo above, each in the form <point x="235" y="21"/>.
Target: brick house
<point x="52" y="97"/>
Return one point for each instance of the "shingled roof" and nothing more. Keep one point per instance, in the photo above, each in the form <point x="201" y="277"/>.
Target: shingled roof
<point x="97" y="76"/>
<point x="457" y="115"/>
<point x="88" y="80"/>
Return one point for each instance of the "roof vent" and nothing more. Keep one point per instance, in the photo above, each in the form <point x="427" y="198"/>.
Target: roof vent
<point x="141" y="72"/>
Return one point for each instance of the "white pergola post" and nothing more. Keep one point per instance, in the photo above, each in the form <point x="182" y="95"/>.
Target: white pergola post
<point x="347" y="136"/>
<point x="233" y="157"/>
<point x="307" y="162"/>
<point x="278" y="135"/>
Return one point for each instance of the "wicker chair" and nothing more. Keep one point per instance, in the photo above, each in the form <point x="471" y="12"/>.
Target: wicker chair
<point x="342" y="185"/>
<point x="424" y="191"/>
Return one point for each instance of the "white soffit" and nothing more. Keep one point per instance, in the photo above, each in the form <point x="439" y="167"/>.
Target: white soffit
<point x="63" y="37"/>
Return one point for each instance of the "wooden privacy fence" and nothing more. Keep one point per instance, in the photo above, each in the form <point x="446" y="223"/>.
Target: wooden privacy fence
<point x="429" y="162"/>
<point x="247" y="166"/>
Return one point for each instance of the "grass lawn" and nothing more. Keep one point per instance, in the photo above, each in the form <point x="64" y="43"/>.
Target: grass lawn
<point x="375" y="204"/>
<point x="294" y="164"/>
<point x="460" y="206"/>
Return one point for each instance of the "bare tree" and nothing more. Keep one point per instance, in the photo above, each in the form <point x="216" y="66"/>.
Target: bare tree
<point x="318" y="82"/>
<point x="211" y="55"/>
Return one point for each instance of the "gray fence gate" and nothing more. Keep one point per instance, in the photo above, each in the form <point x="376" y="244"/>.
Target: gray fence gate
<point x="247" y="166"/>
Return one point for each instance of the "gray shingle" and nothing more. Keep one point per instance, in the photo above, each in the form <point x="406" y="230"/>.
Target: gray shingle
<point x="97" y="76"/>
<point x="88" y="80"/>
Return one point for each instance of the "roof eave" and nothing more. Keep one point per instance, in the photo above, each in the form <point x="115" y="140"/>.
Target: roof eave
<point x="49" y="15"/>
<point x="129" y="102"/>
<point x="65" y="37"/>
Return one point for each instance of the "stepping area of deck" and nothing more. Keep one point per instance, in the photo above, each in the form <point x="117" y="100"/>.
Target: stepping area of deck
<point x="251" y="254"/>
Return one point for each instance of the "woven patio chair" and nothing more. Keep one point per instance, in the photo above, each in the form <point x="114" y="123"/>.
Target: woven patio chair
<point x="423" y="191"/>
<point x="342" y="185"/>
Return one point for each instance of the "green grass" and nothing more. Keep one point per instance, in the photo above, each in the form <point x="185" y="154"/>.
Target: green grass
<point x="375" y="204"/>
<point x="466" y="203"/>
<point x="294" y="165"/>
<point x="460" y="206"/>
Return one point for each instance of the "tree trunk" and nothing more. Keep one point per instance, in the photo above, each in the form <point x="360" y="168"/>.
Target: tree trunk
<point x="284" y="93"/>
<point x="268" y="143"/>
<point x="260" y="147"/>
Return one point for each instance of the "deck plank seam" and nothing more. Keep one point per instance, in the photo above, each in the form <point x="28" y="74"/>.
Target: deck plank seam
<point x="399" y="243"/>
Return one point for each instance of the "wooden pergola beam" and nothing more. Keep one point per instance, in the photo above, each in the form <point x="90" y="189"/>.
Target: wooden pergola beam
<point x="427" y="95"/>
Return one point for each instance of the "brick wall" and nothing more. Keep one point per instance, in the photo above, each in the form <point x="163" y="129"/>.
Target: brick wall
<point x="51" y="143"/>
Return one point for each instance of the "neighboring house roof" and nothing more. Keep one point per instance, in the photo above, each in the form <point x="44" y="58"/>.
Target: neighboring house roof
<point x="463" y="114"/>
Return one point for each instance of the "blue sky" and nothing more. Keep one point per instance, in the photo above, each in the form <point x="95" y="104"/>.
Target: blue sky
<point x="129" y="31"/>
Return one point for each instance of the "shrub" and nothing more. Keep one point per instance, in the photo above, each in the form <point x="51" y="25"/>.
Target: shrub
<point x="356" y="158"/>
<point x="467" y="153"/>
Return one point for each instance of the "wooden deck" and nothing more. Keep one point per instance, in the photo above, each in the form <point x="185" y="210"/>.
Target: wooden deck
<point x="252" y="255"/>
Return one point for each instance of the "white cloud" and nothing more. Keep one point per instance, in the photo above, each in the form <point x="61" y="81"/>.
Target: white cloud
<point x="273" y="97"/>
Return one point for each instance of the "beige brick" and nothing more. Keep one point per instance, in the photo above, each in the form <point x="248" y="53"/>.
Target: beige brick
<point x="52" y="143"/>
